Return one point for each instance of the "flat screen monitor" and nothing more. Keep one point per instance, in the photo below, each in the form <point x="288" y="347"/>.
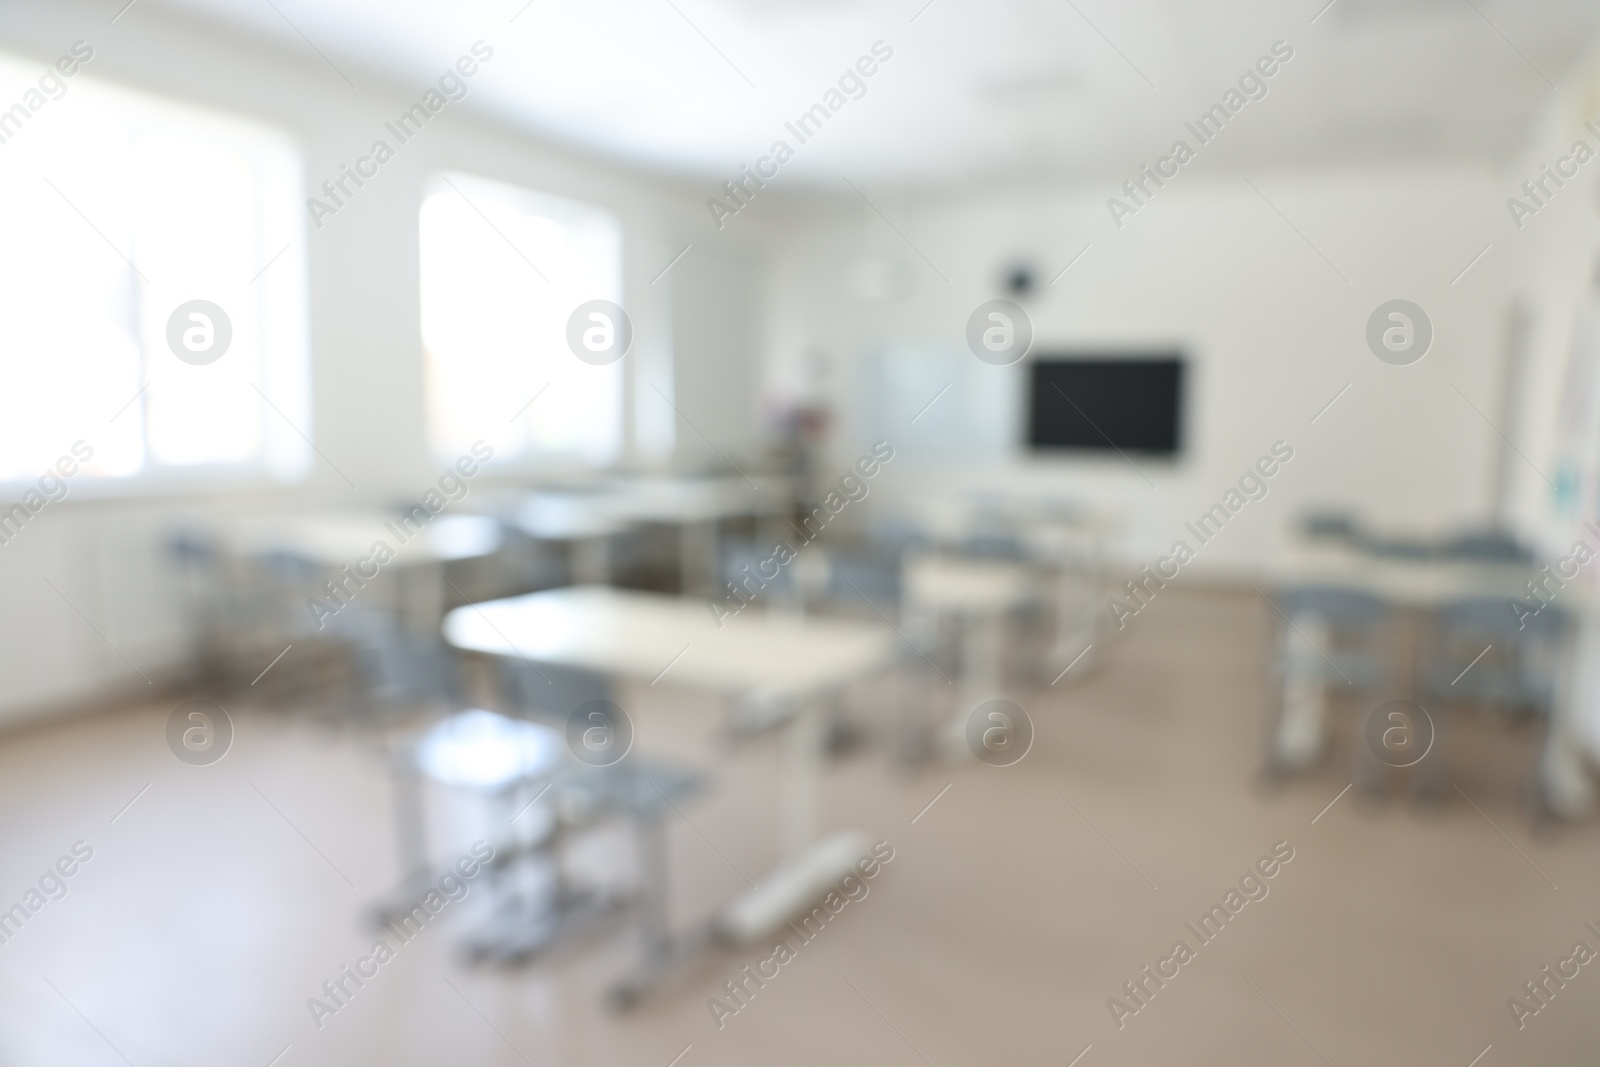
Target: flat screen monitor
<point x="1100" y="404"/>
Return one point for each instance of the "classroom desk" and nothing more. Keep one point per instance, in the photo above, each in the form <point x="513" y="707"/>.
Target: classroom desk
<point x="1074" y="545"/>
<point x="1062" y="534"/>
<point x="580" y="520"/>
<point x="329" y="541"/>
<point x="335" y="539"/>
<point x="1417" y="584"/>
<point x="685" y="500"/>
<point x="269" y="600"/>
<point x="977" y="594"/>
<point x="630" y="634"/>
<point x="967" y="586"/>
<point x="695" y="506"/>
<point x="648" y="637"/>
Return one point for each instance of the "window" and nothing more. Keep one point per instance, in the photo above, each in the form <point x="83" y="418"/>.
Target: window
<point x="122" y="209"/>
<point x="503" y="269"/>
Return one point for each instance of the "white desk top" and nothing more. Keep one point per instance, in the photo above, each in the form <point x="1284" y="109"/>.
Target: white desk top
<point x="1420" y="583"/>
<point x="566" y="516"/>
<point x="951" y="583"/>
<point x="692" y="499"/>
<point x="950" y="517"/>
<point x="338" y="538"/>
<point x="637" y="635"/>
<point x="563" y="514"/>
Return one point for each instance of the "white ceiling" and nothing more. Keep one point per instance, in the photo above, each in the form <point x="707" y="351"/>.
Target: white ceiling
<point x="976" y="88"/>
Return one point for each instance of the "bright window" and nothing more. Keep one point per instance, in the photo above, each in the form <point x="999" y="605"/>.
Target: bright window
<point x="121" y="209"/>
<point x="503" y="269"/>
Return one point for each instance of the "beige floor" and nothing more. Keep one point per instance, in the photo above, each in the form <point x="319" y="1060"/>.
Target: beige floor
<point x="1014" y="908"/>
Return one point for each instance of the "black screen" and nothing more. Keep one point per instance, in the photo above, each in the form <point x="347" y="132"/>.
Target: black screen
<point x="1131" y="405"/>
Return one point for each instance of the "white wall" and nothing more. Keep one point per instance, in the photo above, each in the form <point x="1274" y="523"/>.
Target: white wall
<point x="105" y="554"/>
<point x="713" y="331"/>
<point x="1273" y="331"/>
<point x="1554" y="262"/>
<point x="1554" y="269"/>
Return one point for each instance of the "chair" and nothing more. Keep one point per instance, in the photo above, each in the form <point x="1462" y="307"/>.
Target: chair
<point x="1479" y="653"/>
<point x="1486" y="546"/>
<point x="988" y="543"/>
<point x="242" y="612"/>
<point x="898" y="534"/>
<point x="509" y="763"/>
<point x="740" y="562"/>
<point x="546" y="692"/>
<point x="196" y="555"/>
<point x="579" y="521"/>
<point x="1331" y="525"/>
<point x="540" y="798"/>
<point x="644" y="791"/>
<point x="397" y="672"/>
<point x="868" y="576"/>
<point x="513" y="765"/>
<point x="1408" y="549"/>
<point x="1326" y="635"/>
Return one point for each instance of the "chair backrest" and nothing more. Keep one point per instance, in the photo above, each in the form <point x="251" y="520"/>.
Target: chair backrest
<point x="1519" y="650"/>
<point x="995" y="545"/>
<point x="1330" y="524"/>
<point x="1406" y="548"/>
<point x="193" y="546"/>
<point x="740" y="561"/>
<point x="1495" y="618"/>
<point x="549" y="692"/>
<point x="1489" y="546"/>
<point x="870" y="573"/>
<point x="897" y="533"/>
<point x="396" y="668"/>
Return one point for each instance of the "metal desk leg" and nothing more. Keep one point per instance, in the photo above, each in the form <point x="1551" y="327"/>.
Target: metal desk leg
<point x="654" y="931"/>
<point x="410" y="828"/>
<point x="1298" y="739"/>
<point x="657" y="952"/>
<point x="980" y="680"/>
<point x="1565" y="786"/>
<point x="811" y="865"/>
<point x="802" y="771"/>
<point x="411" y="841"/>
<point x="1430" y="778"/>
<point x="1564" y="783"/>
<point x="980" y="668"/>
<point x="1077" y="615"/>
